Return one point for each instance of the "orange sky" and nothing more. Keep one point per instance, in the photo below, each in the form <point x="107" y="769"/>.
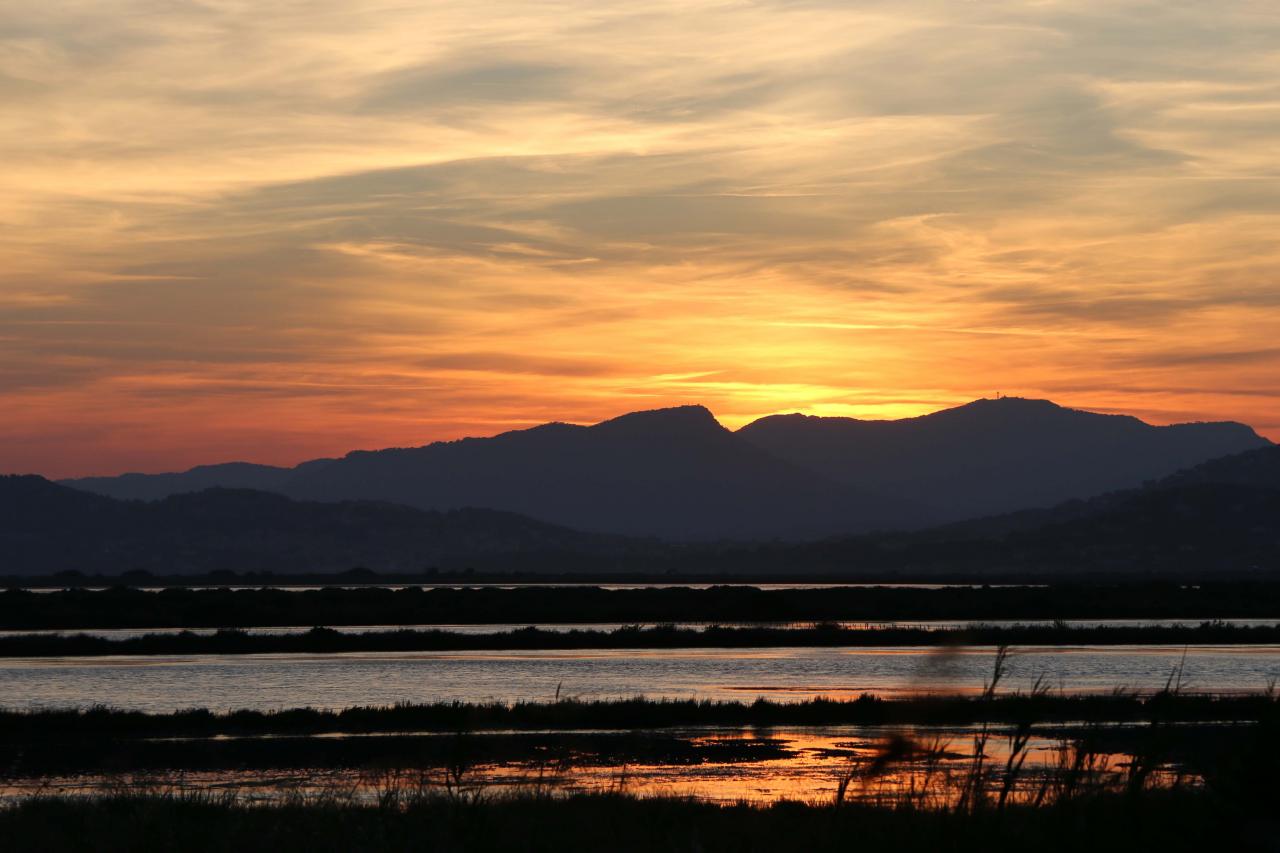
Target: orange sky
<point x="277" y="231"/>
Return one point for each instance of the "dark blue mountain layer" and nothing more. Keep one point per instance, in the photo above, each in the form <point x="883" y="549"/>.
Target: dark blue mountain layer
<point x="673" y="473"/>
<point x="677" y="474"/>
<point x="47" y="528"/>
<point x="996" y="456"/>
<point x="1218" y="519"/>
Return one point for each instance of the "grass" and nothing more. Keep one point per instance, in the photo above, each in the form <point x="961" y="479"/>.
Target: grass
<point x="123" y="607"/>
<point x="1014" y="708"/>
<point x="1196" y="729"/>
<point x="315" y="755"/>
<point x="1165" y="821"/>
<point x="1083" y="801"/>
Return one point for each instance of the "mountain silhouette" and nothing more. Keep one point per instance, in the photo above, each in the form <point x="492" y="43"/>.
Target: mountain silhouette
<point x="1259" y="467"/>
<point x="1252" y="473"/>
<point x="150" y="487"/>
<point x="1215" y="519"/>
<point x="678" y="474"/>
<point x="1218" y="518"/>
<point x="1202" y="530"/>
<point x="673" y="473"/>
<point x="47" y="528"/>
<point x="995" y="456"/>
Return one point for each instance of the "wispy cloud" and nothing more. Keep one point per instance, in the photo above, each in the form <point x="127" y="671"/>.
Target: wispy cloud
<point x="276" y="230"/>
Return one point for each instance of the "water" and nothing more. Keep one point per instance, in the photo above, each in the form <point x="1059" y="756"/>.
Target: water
<point x="162" y="683"/>
<point x="800" y="763"/>
<point x="816" y="759"/>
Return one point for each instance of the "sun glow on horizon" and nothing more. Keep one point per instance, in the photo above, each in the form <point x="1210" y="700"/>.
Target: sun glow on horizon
<point x="278" y="232"/>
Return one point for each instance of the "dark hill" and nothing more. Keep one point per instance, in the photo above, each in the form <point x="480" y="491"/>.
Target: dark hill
<point x="1259" y="467"/>
<point x="1219" y="518"/>
<point x="1215" y="520"/>
<point x="996" y="456"/>
<point x="1202" y="528"/>
<point x="673" y="473"/>
<point x="678" y="474"/>
<point x="227" y="475"/>
<point x="46" y="528"/>
<point x="1255" y="471"/>
<point x="150" y="487"/>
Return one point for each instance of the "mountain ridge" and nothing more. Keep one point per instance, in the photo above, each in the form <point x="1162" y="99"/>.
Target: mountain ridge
<point x="677" y="473"/>
<point x="46" y="527"/>
<point x="674" y="473"/>
<point x="993" y="456"/>
<point x="1203" y="522"/>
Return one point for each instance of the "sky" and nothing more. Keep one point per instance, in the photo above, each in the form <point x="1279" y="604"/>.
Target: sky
<point x="275" y="231"/>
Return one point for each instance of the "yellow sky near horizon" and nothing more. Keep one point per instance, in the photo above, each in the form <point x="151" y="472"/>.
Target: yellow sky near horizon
<point x="232" y="230"/>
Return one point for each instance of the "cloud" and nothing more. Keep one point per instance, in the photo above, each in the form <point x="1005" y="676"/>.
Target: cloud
<point x="453" y="84"/>
<point x="334" y="218"/>
<point x="518" y="363"/>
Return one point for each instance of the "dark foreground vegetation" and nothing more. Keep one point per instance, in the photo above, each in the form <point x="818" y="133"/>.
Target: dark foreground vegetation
<point x="239" y="758"/>
<point x="60" y="726"/>
<point x="1163" y="821"/>
<point x="1180" y="785"/>
<point x="327" y="640"/>
<point x="125" y="607"/>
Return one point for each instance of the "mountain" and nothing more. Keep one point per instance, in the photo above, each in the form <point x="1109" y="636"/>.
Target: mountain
<point x="1219" y="516"/>
<point x="1202" y="531"/>
<point x="150" y="487"/>
<point x="995" y="456"/>
<point x="1259" y="467"/>
<point x="47" y="528"/>
<point x="673" y="473"/>
<point x="1253" y="472"/>
<point x="1215" y="519"/>
<point x="678" y="474"/>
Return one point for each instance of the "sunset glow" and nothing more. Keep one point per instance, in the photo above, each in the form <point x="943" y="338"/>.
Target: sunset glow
<point x="234" y="230"/>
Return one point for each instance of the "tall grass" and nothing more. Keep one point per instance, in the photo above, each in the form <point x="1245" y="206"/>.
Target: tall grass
<point x="1165" y="821"/>
<point x="1079" y="767"/>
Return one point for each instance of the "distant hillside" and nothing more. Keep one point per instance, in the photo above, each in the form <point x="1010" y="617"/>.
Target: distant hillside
<point x="1221" y="517"/>
<point x="996" y="456"/>
<point x="151" y="487"/>
<point x="1206" y="528"/>
<point x="1259" y="467"/>
<point x="679" y="475"/>
<point x="1255" y="470"/>
<point x="46" y="528"/>
<point x="674" y="473"/>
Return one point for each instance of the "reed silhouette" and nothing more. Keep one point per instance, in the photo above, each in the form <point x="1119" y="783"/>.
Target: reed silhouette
<point x="1171" y="784"/>
<point x="132" y="607"/>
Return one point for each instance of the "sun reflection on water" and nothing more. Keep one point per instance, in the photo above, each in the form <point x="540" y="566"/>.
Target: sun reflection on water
<point x="926" y="766"/>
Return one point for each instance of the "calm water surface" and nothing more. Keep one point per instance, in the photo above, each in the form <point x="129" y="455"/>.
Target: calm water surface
<point x="805" y="764"/>
<point x="167" y="683"/>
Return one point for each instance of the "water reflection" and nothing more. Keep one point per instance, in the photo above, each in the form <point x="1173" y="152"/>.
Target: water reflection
<point x="928" y="766"/>
<point x="162" y="683"/>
